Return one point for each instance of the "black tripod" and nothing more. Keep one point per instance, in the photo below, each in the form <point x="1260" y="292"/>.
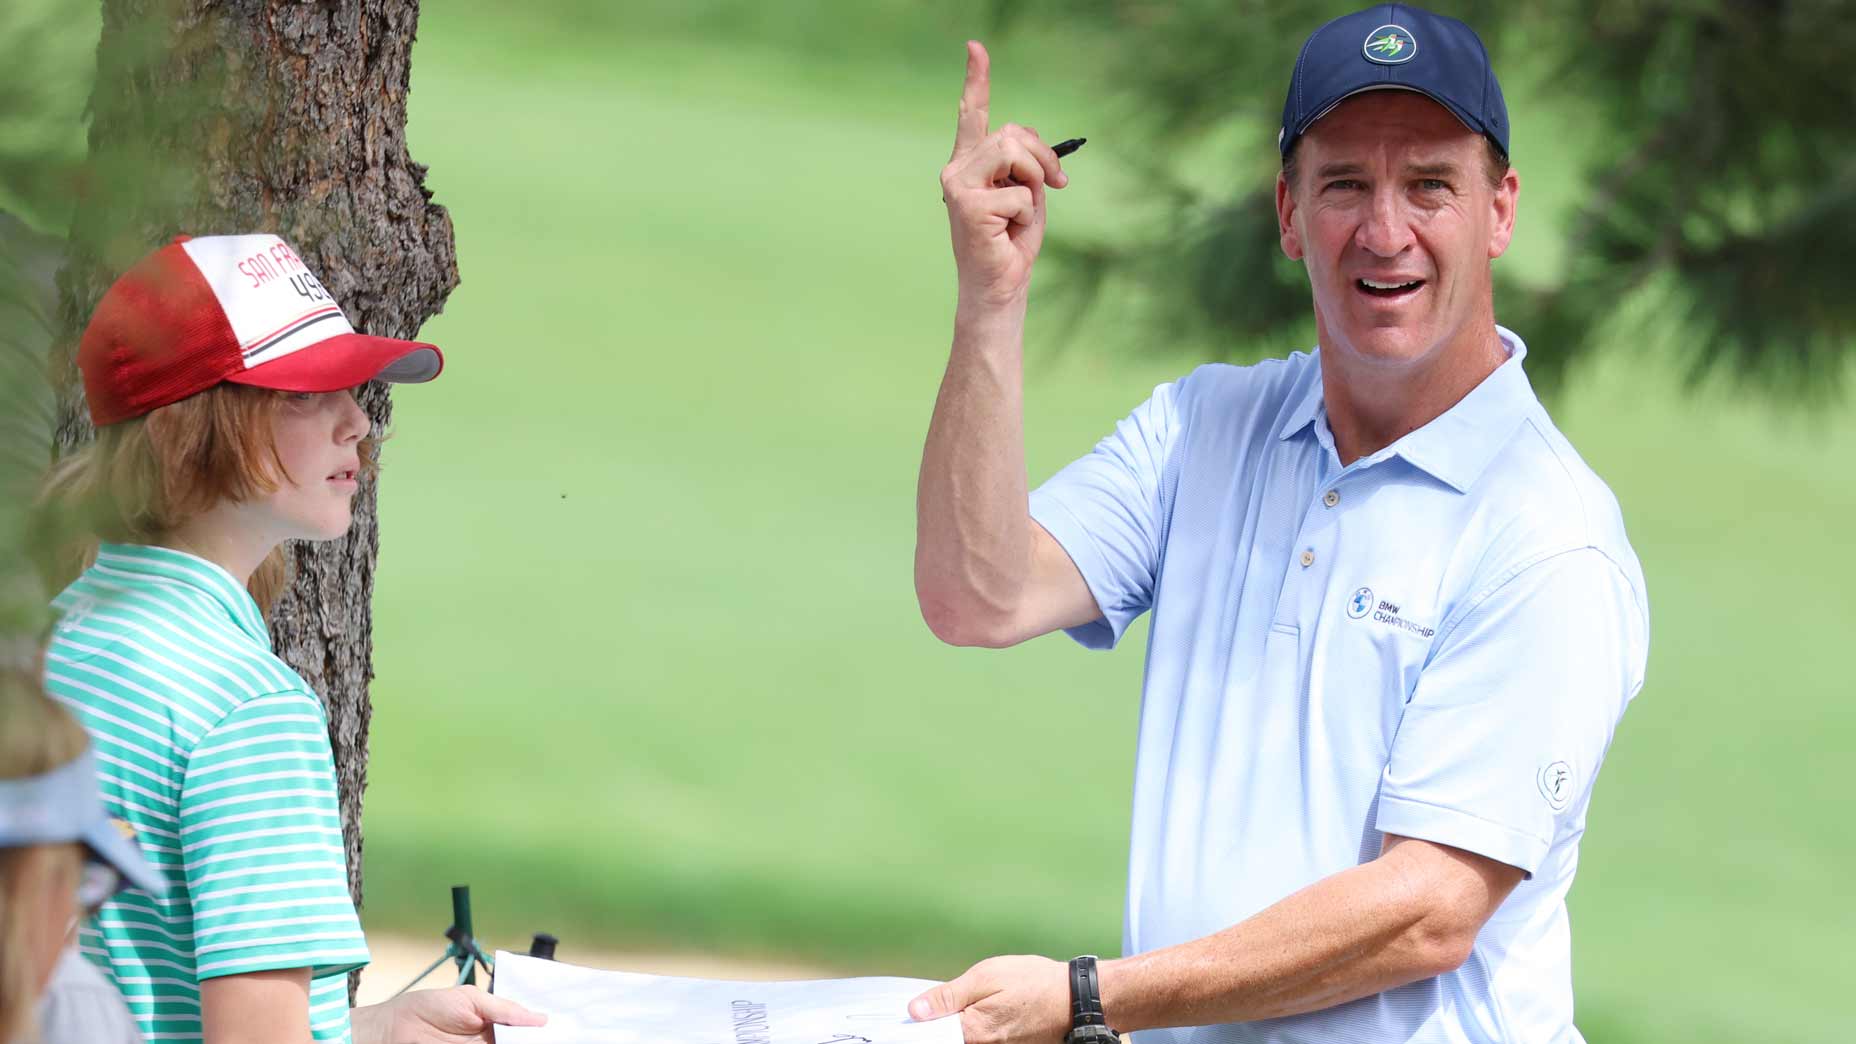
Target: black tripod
<point x="462" y="947"/>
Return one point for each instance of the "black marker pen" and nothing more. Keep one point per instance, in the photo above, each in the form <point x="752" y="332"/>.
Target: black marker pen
<point x="1062" y="149"/>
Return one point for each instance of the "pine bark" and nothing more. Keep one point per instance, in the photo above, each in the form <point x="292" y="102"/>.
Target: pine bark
<point x="233" y="116"/>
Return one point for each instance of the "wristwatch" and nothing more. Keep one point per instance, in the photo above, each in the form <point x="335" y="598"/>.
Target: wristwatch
<point x="1087" y="1024"/>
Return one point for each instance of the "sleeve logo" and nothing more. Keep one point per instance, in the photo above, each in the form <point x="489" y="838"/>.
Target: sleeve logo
<point x="1556" y="785"/>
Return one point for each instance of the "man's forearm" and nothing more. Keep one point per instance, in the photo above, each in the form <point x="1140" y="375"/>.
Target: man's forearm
<point x="1359" y="932"/>
<point x="973" y="548"/>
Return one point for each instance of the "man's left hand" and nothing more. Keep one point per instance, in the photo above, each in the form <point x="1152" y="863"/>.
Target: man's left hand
<point x="1004" y="1000"/>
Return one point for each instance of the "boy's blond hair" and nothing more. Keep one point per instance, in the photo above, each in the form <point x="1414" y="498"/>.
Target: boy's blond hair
<point x="143" y="478"/>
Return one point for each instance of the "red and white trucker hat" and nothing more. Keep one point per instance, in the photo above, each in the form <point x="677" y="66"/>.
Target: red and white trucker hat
<point x="243" y="309"/>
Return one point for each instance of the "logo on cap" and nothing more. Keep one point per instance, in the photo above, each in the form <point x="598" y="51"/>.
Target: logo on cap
<point x="1391" y="45"/>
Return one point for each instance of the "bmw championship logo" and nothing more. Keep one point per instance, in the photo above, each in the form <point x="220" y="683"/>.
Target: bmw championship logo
<point x="1391" y="45"/>
<point x="1361" y="603"/>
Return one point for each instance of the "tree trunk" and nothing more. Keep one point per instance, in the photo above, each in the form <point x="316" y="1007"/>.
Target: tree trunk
<point x="231" y="116"/>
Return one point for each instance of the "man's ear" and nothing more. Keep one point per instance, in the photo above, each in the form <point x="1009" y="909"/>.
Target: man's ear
<point x="1285" y="220"/>
<point x="1507" y="195"/>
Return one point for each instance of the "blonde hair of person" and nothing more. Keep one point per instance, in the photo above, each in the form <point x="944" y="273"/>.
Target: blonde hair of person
<point x="36" y="736"/>
<point x="143" y="478"/>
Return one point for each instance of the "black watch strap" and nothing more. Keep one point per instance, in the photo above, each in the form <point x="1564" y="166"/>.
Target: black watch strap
<point x="1087" y="1024"/>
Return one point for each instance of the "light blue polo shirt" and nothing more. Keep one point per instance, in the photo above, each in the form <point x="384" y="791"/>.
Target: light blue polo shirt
<point x="1435" y="641"/>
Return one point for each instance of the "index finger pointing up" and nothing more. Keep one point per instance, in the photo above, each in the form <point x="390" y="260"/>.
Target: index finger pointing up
<point x="974" y="97"/>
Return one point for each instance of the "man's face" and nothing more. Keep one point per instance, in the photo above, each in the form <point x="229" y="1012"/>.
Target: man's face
<point x="1396" y="221"/>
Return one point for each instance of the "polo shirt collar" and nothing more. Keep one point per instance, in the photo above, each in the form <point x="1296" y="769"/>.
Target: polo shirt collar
<point x="147" y="564"/>
<point x="1307" y="407"/>
<point x="1456" y="446"/>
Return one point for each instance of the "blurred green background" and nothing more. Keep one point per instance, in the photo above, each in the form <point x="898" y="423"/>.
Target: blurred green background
<point x="650" y="670"/>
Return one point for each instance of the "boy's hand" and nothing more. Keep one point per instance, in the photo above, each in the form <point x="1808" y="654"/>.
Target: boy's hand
<point x="456" y="1015"/>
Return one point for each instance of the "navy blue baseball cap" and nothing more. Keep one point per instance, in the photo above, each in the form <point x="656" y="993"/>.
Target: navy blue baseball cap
<point x="1395" y="47"/>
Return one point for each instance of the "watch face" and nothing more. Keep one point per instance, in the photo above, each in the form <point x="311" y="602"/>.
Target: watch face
<point x="1092" y="1035"/>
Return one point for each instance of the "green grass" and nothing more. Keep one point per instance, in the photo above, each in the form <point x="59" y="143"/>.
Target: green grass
<point x="1721" y="831"/>
<point x="662" y="502"/>
<point x="650" y="669"/>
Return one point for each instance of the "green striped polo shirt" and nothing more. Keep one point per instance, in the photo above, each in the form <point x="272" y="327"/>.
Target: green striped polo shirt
<point x="218" y="754"/>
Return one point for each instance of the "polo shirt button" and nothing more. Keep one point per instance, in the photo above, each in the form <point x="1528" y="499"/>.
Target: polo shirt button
<point x="1332" y="498"/>
<point x="1308" y="558"/>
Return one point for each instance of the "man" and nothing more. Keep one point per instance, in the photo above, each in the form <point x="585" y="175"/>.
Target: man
<point x="1395" y="616"/>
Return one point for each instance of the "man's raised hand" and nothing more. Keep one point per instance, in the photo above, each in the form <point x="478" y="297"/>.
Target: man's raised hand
<point x="994" y="188"/>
